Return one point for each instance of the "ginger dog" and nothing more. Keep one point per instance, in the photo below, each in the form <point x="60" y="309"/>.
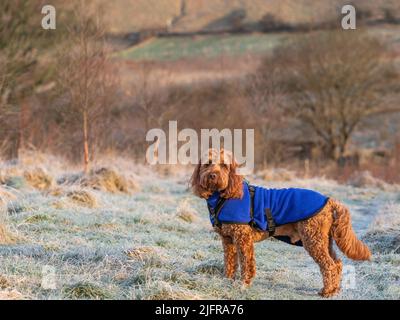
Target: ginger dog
<point x="332" y="222"/>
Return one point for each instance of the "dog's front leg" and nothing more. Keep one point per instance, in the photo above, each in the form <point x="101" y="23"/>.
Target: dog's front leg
<point x="230" y="257"/>
<point x="243" y="239"/>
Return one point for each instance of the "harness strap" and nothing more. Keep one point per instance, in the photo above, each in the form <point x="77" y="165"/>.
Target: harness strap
<point x="252" y="192"/>
<point x="215" y="212"/>
<point x="268" y="214"/>
<point x="271" y="222"/>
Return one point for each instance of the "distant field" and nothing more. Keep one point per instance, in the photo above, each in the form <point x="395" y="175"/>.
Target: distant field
<point x="175" y="48"/>
<point x="210" y="46"/>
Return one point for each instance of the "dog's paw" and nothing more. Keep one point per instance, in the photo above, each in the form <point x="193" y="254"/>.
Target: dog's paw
<point x="328" y="293"/>
<point x="245" y="285"/>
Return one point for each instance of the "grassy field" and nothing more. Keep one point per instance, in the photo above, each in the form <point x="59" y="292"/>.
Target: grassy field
<point x="211" y="46"/>
<point x="156" y="242"/>
<point x="175" y="48"/>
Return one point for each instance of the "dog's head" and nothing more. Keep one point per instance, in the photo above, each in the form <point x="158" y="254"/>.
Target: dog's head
<point x="216" y="171"/>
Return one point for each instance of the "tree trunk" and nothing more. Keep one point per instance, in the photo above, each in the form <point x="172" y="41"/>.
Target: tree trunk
<point x="330" y="151"/>
<point x="22" y="116"/>
<point x="85" y="142"/>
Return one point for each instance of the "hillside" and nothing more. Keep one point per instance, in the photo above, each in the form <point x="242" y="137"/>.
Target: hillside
<point x="124" y="16"/>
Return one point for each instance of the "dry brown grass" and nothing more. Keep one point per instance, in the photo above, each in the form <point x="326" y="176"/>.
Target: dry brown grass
<point x="11" y="295"/>
<point x="102" y="179"/>
<point x="83" y="198"/>
<point x="106" y="179"/>
<point x="38" y="179"/>
<point x="140" y="253"/>
<point x="5" y="236"/>
<point x="6" y="196"/>
<point x="4" y="283"/>
<point x="55" y="192"/>
<point x="186" y="213"/>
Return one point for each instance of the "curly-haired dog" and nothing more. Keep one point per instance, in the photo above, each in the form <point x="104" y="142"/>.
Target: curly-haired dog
<point x="234" y="206"/>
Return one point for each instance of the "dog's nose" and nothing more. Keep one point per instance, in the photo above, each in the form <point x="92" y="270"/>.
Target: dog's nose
<point x="212" y="176"/>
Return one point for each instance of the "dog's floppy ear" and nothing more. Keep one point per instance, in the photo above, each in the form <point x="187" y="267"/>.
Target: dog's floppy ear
<point x="197" y="188"/>
<point x="235" y="181"/>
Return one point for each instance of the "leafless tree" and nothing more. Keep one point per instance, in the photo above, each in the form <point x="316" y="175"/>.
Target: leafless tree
<point x="86" y="77"/>
<point x="333" y="80"/>
<point x="266" y="96"/>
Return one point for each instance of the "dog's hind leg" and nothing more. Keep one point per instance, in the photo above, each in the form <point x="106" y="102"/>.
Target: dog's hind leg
<point x="314" y="233"/>
<point x="338" y="262"/>
<point x="230" y="256"/>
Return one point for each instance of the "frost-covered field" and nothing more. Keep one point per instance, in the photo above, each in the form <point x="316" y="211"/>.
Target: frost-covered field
<point x="157" y="243"/>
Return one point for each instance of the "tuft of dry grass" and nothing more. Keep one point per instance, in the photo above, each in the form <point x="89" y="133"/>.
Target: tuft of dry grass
<point x="186" y="213"/>
<point x="11" y="295"/>
<point x="38" y="179"/>
<point x="85" y="290"/>
<point x="106" y="179"/>
<point x="83" y="198"/>
<point x="55" y="192"/>
<point x="5" y="236"/>
<point x="5" y="197"/>
<point x="211" y="268"/>
<point x="4" y="283"/>
<point x="146" y="255"/>
<point x="140" y="253"/>
<point x="162" y="290"/>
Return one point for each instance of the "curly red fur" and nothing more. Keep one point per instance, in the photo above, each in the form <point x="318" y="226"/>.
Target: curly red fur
<point x="317" y="233"/>
<point x="222" y="166"/>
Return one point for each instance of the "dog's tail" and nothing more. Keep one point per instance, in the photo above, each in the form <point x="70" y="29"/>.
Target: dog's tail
<point x="344" y="235"/>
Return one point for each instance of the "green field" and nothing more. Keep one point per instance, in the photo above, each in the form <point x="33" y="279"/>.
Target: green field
<point x="175" y="48"/>
<point x="210" y="46"/>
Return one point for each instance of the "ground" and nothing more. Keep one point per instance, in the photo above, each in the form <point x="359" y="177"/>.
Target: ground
<point x="157" y="243"/>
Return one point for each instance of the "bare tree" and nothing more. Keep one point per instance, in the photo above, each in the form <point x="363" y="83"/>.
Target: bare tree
<point x="85" y="75"/>
<point x="333" y="80"/>
<point x="265" y="96"/>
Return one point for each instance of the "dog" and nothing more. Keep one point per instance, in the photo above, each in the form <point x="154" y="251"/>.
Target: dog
<point x="216" y="180"/>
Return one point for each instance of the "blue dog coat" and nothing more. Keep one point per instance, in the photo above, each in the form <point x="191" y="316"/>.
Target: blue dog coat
<point x="270" y="207"/>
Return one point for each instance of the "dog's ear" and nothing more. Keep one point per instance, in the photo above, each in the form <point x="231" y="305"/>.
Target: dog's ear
<point x="196" y="187"/>
<point x="235" y="182"/>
